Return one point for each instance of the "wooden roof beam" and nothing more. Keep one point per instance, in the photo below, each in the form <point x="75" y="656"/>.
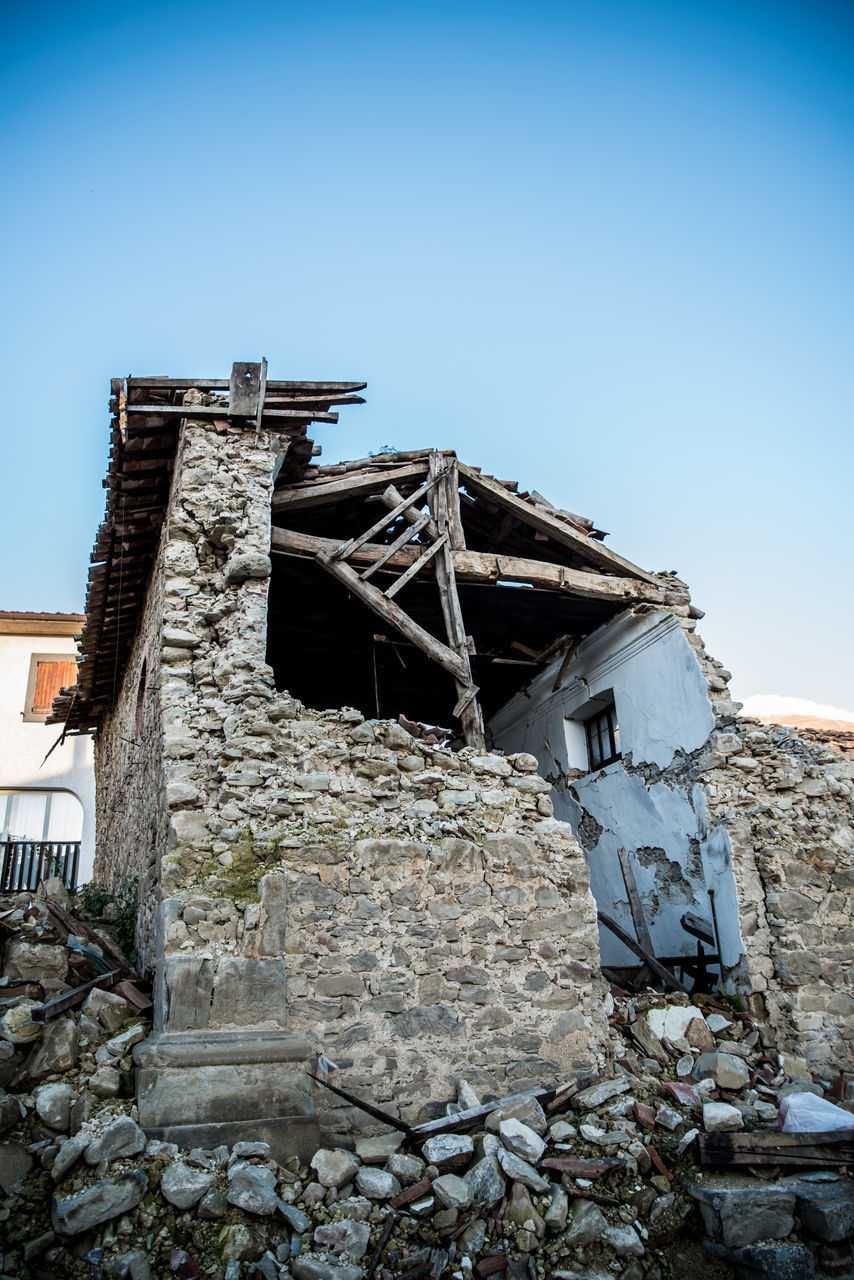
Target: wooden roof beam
<point x="482" y="566"/>
<point x="538" y="518"/>
<point x="299" y="498"/>
<point x="221" y="384"/>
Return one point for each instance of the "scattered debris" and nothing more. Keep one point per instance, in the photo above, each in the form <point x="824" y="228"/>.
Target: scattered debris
<point x="597" y="1177"/>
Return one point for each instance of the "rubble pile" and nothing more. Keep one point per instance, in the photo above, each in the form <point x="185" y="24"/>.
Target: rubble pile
<point x="597" y="1178"/>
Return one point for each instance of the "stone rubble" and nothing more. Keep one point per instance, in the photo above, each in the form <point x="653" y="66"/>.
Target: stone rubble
<point x="85" y="1193"/>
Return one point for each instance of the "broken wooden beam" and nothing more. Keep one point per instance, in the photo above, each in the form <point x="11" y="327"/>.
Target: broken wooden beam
<point x="346" y="549"/>
<point x="583" y="1193"/>
<point x="444" y="501"/>
<point x="288" y="387"/>
<point x="70" y="999"/>
<point x="581" y="1168"/>
<point x="396" y="617"/>
<point x="306" y="495"/>
<point x="376" y="1112"/>
<point x="410" y="532"/>
<point x="417" y="565"/>
<point x="773" y="1148"/>
<point x="392" y="497"/>
<point x="668" y="978"/>
<point x="698" y="928"/>
<point x="72" y="925"/>
<point x="415" y="1192"/>
<point x="471" y="1116"/>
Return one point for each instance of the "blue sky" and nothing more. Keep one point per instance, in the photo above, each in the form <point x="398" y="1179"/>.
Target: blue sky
<point x="604" y="249"/>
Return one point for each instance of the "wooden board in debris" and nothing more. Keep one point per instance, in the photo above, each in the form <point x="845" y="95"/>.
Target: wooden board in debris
<point x="724" y="1149"/>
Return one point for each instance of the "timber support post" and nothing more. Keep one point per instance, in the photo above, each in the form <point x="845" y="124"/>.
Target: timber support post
<point x="444" y="500"/>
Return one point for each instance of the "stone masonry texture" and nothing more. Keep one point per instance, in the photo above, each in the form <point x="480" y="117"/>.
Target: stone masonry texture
<point x="416" y="914"/>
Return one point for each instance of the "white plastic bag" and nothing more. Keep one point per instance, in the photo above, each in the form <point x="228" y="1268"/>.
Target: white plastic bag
<point x="807" y="1113"/>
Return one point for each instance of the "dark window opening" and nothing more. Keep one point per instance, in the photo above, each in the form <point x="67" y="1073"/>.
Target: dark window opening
<point x="603" y="737"/>
<point x="140" y="698"/>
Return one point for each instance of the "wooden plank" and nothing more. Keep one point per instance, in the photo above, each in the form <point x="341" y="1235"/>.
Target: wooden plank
<point x="415" y="1192"/>
<point x="243" y="390"/>
<point x="539" y="519"/>
<point x="222" y="384"/>
<point x="455" y="525"/>
<point x="472" y="1116"/>
<point x="635" y="907"/>
<point x="668" y="978"/>
<point x="395" y="616"/>
<point x="392" y="497"/>
<point x="565" y="664"/>
<point x="72" y="925"/>
<point x="262" y="391"/>
<point x="480" y="566"/>
<point x="299" y="498"/>
<point x="698" y="928"/>
<point x="383" y="1116"/>
<point x="347" y="548"/>
<point x="203" y="411"/>
<point x="773" y="1139"/>
<point x="408" y="534"/>
<point x="52" y="1008"/>
<point x="467" y="709"/>
<point x="371" y="463"/>
<point x="284" y="402"/>
<point x="416" y="566"/>
<point x="773" y="1148"/>
<point x="581" y="1168"/>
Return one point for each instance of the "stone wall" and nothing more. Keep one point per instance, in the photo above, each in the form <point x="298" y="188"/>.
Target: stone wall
<point x="435" y="922"/>
<point x="415" y="913"/>
<point x="786" y="809"/>
<point x="705" y="799"/>
<point x="132" y="824"/>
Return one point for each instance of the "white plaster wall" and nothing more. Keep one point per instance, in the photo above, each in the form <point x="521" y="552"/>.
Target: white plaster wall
<point x="23" y="746"/>
<point x="658" y="815"/>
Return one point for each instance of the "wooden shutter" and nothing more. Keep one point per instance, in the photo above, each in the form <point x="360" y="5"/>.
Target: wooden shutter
<point x="50" y="678"/>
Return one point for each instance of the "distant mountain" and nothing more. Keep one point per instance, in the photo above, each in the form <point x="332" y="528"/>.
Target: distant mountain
<point x="814" y="720"/>
<point x="776" y="708"/>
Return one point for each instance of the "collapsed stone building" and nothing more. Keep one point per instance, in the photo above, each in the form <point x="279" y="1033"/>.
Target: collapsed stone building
<point x="268" y="649"/>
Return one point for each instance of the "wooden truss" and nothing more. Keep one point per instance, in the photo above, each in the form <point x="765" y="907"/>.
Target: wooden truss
<point x="441" y="526"/>
<point x="423" y="533"/>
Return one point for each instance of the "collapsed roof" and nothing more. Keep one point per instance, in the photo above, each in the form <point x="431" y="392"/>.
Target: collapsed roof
<point x="403" y="583"/>
<point x="393" y="573"/>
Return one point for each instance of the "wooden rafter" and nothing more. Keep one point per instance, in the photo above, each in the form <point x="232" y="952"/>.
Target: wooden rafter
<point x="304" y="497"/>
<point x="540" y="520"/>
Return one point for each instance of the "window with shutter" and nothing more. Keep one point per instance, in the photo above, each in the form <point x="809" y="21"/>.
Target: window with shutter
<point x="49" y="672"/>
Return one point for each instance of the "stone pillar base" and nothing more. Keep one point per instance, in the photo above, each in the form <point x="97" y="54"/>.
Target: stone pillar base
<point x="204" y="1088"/>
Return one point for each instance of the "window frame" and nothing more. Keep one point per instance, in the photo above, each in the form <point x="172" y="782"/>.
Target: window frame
<point x="36" y="659"/>
<point x="593" y="724"/>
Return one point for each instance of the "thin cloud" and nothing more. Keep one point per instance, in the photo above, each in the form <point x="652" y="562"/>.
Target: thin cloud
<point x="766" y="705"/>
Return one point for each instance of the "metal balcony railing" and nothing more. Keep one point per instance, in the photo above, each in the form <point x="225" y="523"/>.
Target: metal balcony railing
<point x="24" y="864"/>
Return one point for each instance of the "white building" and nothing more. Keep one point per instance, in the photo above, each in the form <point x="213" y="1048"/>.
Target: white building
<point x="44" y="800"/>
